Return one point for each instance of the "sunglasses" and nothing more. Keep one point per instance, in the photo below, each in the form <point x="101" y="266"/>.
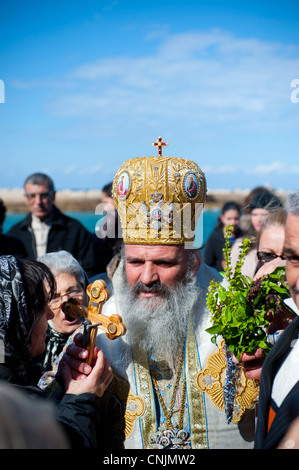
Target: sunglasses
<point x="45" y="195"/>
<point x="57" y="301"/>
<point x="265" y="256"/>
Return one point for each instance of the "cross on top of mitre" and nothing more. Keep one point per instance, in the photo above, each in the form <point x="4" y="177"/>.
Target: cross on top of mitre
<point x="159" y="143"/>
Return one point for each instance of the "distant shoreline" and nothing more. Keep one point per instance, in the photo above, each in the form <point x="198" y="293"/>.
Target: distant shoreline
<point x="87" y="200"/>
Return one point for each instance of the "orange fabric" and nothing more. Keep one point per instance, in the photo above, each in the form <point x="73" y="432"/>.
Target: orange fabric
<point x="270" y="418"/>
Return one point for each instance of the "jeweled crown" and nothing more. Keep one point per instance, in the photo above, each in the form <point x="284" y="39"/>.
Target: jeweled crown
<point x="159" y="199"/>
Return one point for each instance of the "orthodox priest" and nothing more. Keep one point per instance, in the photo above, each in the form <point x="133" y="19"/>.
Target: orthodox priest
<point x="169" y="374"/>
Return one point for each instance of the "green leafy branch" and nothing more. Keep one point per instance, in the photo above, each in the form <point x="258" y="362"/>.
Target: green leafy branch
<point x="241" y="312"/>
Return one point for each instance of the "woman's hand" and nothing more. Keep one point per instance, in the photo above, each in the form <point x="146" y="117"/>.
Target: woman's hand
<point x="252" y="363"/>
<point x="79" y="377"/>
<point x="269" y="267"/>
<point x="284" y="316"/>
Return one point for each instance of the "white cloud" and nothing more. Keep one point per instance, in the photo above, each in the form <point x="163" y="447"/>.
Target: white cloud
<point x="221" y="169"/>
<point x="198" y="78"/>
<point x="26" y="84"/>
<point x="274" y="167"/>
<point x="222" y="101"/>
<point x="277" y="168"/>
<point x="90" y="169"/>
<point x="69" y="170"/>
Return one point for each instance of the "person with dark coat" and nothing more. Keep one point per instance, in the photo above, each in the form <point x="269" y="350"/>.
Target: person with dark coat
<point x="279" y="385"/>
<point x="108" y="239"/>
<point x="46" y="229"/>
<point x="9" y="245"/>
<point x="230" y="215"/>
<point x="26" y="286"/>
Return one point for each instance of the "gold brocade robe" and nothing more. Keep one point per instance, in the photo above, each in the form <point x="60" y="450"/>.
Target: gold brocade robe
<point x="204" y="370"/>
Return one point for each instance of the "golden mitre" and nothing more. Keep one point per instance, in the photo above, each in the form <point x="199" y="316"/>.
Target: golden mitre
<point x="159" y="199"/>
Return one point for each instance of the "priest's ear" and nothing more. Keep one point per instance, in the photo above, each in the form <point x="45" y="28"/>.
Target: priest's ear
<point x="193" y="257"/>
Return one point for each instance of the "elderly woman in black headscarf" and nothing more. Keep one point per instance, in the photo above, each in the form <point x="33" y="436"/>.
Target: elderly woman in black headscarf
<point x="26" y="287"/>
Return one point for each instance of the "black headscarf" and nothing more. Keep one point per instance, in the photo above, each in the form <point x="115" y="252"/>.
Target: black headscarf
<point x="22" y="302"/>
<point x="15" y="323"/>
<point x="55" y="343"/>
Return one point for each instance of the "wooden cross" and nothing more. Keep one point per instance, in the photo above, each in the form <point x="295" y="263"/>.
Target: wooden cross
<point x="92" y="317"/>
<point x="159" y="143"/>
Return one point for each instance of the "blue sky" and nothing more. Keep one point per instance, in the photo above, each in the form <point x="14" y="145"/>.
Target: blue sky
<point x="89" y="84"/>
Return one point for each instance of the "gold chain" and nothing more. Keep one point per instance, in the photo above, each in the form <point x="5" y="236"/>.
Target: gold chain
<point x="169" y="413"/>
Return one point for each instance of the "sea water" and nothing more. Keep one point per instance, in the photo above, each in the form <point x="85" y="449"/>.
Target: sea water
<point x="90" y="220"/>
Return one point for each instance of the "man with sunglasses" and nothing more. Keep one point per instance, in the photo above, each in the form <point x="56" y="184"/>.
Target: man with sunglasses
<point x="279" y="391"/>
<point x="46" y="229"/>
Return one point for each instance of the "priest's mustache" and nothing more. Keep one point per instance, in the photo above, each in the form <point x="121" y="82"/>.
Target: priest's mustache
<point x="155" y="287"/>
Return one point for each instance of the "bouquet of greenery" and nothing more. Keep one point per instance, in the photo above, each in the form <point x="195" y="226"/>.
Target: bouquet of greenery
<point x="241" y="312"/>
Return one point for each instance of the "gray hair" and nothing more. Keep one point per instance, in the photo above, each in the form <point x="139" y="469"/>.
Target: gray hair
<point x="292" y="204"/>
<point x="40" y="178"/>
<point x="63" y="262"/>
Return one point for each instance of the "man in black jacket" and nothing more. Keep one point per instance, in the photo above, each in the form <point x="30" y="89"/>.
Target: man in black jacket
<point x="9" y="245"/>
<point x="46" y="229"/>
<point x="279" y="391"/>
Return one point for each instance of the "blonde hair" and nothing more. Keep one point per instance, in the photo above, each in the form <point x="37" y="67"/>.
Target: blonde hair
<point x="274" y="219"/>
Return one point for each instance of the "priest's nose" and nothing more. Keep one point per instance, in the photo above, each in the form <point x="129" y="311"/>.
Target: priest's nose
<point x="149" y="273"/>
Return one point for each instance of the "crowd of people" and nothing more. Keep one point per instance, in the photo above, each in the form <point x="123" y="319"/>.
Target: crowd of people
<point x="153" y="387"/>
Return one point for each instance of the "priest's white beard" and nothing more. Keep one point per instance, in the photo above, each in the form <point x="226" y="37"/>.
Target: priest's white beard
<point x="158" y="324"/>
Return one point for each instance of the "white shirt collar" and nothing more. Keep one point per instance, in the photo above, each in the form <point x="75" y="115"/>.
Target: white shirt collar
<point x="291" y="304"/>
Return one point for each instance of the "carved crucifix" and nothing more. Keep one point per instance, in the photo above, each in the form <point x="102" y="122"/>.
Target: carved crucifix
<point x="92" y="317"/>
